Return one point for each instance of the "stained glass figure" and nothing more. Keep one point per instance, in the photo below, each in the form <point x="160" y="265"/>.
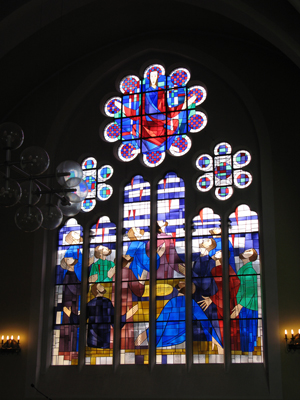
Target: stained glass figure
<point x="246" y="316"/>
<point x="135" y="271"/>
<point x="225" y="171"/>
<point x="207" y="288"/>
<point x="100" y="294"/>
<point x="67" y="295"/>
<point x="155" y="115"/>
<point x="170" y="274"/>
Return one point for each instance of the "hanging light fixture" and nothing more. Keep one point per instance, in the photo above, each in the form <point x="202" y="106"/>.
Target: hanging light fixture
<point x="34" y="162"/>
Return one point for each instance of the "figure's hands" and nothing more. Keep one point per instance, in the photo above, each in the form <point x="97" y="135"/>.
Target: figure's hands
<point x="93" y="278"/>
<point x="181" y="268"/>
<point x="67" y="311"/>
<point x="235" y="311"/>
<point x="215" y="343"/>
<point x="160" y="250"/>
<point x="111" y="272"/>
<point x="204" y="304"/>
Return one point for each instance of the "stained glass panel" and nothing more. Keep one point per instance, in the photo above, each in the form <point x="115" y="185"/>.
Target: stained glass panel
<point x="246" y="316"/>
<point x="100" y="293"/>
<point x="67" y="295"/>
<point x="135" y="273"/>
<point x="170" y="274"/>
<point x="207" y="288"/>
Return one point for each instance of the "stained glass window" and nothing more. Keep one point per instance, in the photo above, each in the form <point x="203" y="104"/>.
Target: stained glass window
<point x="100" y="297"/>
<point x="155" y="115"/>
<point x="223" y="171"/>
<point x="96" y="179"/>
<point x="135" y="272"/>
<point x="67" y="295"/>
<point x="170" y="274"/>
<point x="207" y="288"/>
<point x="246" y="315"/>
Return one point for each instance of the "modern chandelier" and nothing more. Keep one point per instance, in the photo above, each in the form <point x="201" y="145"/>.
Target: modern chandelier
<point x="21" y="183"/>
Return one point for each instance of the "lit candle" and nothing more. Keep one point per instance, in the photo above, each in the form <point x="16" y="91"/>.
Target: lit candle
<point x="7" y="338"/>
<point x="285" y="334"/>
<point x="292" y="332"/>
<point x="12" y="338"/>
<point x="2" y="339"/>
<point x="18" y="339"/>
<point x="299" y="331"/>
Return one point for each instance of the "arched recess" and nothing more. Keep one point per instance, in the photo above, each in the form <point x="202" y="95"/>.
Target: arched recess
<point x="231" y="111"/>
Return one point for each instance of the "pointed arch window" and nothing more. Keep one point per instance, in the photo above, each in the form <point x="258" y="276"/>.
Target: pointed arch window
<point x="145" y="242"/>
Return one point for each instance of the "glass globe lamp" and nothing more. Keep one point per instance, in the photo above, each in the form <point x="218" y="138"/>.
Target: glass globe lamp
<point x="10" y="192"/>
<point x="34" y="160"/>
<point x="72" y="168"/>
<point x="27" y="188"/>
<point x="52" y="216"/>
<point x="28" y="218"/>
<point x="11" y="136"/>
<point x="69" y="210"/>
<point x="80" y="190"/>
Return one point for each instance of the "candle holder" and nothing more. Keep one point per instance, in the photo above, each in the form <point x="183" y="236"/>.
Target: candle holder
<point x="11" y="345"/>
<point x="293" y="343"/>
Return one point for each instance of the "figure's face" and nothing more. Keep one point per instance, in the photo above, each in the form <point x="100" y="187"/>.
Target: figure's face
<point x="217" y="231"/>
<point x="206" y="243"/>
<point x="103" y="250"/>
<point x="247" y="253"/>
<point x="153" y="78"/>
<point x="138" y="232"/>
<point x="218" y="255"/>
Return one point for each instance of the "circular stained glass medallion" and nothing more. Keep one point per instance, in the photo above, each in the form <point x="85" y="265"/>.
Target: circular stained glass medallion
<point x="241" y="159"/>
<point x="113" y="106"/>
<point x="180" y="146"/>
<point x="104" y="191"/>
<point x="180" y="77"/>
<point x="127" y="152"/>
<point x="224" y="192"/>
<point x="130" y="84"/>
<point x="197" y="122"/>
<point x="154" y="158"/>
<point x="205" y="182"/>
<point x="204" y="162"/>
<point x="88" y="205"/>
<point x="242" y="179"/>
<point x="222" y="149"/>
<point x="105" y="173"/>
<point x="89" y="163"/>
<point x="155" y="67"/>
<point x="112" y="132"/>
<point x="199" y="92"/>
